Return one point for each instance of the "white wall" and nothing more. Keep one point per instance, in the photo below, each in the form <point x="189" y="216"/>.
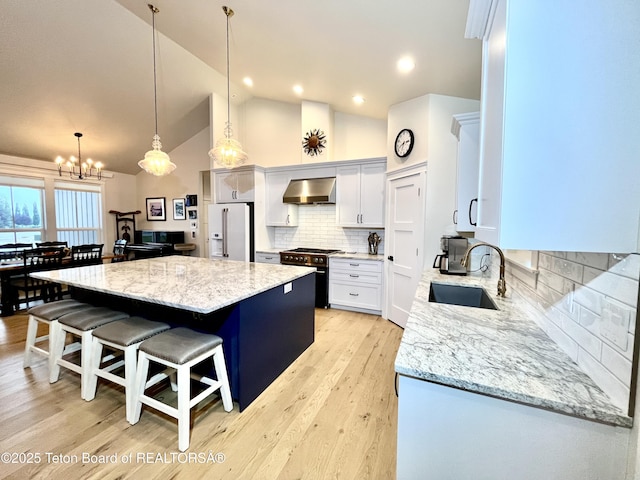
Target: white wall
<point x="272" y="134"/>
<point x="190" y="158"/>
<point x="430" y="119"/>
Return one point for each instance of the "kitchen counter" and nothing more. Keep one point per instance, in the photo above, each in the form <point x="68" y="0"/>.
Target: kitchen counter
<point x="264" y="313"/>
<point x="189" y="283"/>
<point x="500" y="353"/>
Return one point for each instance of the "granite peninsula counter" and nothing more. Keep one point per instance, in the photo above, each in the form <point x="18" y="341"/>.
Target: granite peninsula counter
<point x="469" y="377"/>
<point x="264" y="313"/>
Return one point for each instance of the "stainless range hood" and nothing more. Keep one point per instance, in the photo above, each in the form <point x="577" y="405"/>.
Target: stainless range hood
<point x="311" y="190"/>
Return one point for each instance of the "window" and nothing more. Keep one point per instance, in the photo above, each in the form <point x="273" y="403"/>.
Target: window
<point x="21" y="210"/>
<point x="78" y="213"/>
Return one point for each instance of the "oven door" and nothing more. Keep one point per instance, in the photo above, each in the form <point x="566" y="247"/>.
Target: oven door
<point x="322" y="287"/>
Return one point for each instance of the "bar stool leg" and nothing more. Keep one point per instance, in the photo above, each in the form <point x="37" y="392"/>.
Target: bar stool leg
<point x="96" y="357"/>
<point x="32" y="333"/>
<point x="221" y="372"/>
<point x="141" y="380"/>
<point x="184" y="407"/>
<point x="57" y="339"/>
<point x="130" y="368"/>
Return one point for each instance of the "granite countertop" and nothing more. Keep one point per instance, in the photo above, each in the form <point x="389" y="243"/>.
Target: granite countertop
<point x="358" y="256"/>
<point x="500" y="353"/>
<point x="190" y="283"/>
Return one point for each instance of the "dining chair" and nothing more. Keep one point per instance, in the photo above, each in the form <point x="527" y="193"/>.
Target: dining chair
<point x="36" y="260"/>
<point x="119" y="247"/>
<point x="13" y="251"/>
<point x="89" y="254"/>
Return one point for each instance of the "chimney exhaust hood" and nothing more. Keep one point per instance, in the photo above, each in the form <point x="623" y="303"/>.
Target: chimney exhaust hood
<point x="310" y="191"/>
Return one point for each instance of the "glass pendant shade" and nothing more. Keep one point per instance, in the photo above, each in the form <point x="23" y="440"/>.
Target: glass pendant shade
<point x="155" y="161"/>
<point x="228" y="152"/>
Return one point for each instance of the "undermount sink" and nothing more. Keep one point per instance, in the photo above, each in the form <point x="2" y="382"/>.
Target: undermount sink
<point x="461" y="295"/>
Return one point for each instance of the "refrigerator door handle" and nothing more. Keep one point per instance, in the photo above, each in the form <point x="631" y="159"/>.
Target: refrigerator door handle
<point x="225" y="212"/>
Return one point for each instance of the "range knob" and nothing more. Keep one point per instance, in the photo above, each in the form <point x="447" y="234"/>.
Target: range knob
<point x="321" y="260"/>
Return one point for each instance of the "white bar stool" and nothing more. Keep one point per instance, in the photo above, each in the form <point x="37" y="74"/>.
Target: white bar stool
<point x="124" y="336"/>
<point x="79" y="323"/>
<point x="46" y="314"/>
<point x="180" y="349"/>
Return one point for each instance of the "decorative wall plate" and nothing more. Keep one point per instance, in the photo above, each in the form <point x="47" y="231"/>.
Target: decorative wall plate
<point x="314" y="141"/>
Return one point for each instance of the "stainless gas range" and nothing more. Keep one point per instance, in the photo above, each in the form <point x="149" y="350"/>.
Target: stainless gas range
<point x="312" y="257"/>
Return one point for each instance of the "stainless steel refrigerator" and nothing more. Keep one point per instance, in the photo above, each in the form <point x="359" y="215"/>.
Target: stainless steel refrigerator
<point x="231" y="231"/>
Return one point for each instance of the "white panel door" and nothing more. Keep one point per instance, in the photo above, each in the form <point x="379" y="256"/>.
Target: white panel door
<point x="405" y="238"/>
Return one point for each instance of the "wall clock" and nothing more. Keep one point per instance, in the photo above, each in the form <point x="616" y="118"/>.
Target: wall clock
<point x="404" y="143"/>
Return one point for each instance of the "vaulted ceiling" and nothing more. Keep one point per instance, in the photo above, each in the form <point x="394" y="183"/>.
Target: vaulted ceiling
<point x="87" y="65"/>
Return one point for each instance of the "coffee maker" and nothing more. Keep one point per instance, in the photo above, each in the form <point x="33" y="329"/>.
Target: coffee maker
<point x="453" y="248"/>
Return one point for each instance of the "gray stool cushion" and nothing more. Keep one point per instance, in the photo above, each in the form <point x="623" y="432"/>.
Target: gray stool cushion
<point x="91" y="318"/>
<point x="54" y="310"/>
<point x="129" y="331"/>
<point x="179" y="345"/>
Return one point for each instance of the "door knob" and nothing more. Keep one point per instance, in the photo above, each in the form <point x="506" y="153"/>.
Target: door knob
<point x="390" y="257"/>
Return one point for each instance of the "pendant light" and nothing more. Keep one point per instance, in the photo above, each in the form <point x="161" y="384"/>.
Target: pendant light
<point x="228" y="152"/>
<point x="85" y="169"/>
<point x="156" y="162"/>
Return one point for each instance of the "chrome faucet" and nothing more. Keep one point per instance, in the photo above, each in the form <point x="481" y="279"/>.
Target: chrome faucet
<point x="502" y="283"/>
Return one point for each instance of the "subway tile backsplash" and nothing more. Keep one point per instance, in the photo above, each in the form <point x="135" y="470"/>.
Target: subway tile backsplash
<point x="589" y="305"/>
<point x="317" y="229"/>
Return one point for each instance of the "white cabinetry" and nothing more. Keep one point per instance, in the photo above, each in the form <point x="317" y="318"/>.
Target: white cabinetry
<point x="235" y="186"/>
<point x="355" y="284"/>
<point x="360" y="195"/>
<point x="559" y="163"/>
<point x="262" y="257"/>
<point x="466" y="128"/>
<point x="279" y="214"/>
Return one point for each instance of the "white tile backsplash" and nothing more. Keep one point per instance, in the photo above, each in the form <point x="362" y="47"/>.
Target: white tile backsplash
<point x="571" y="291"/>
<point x="317" y="229"/>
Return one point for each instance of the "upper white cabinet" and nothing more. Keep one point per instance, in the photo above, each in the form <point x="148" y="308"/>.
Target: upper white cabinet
<point x="360" y="195"/>
<point x="466" y="128"/>
<point x="559" y="147"/>
<point x="279" y="214"/>
<point x="235" y="185"/>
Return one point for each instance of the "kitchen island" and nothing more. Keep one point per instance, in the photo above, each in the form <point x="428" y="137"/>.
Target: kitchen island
<point x="264" y="313"/>
<point x="486" y="394"/>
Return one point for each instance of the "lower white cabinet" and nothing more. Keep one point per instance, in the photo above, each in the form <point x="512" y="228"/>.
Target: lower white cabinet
<point x="355" y="284"/>
<point x="262" y="257"/>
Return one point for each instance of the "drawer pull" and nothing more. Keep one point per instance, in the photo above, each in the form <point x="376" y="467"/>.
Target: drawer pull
<point x="354" y="276"/>
<point x="354" y="264"/>
<point x="354" y="294"/>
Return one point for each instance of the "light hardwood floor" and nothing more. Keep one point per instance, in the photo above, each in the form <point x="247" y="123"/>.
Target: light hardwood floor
<point x="331" y="414"/>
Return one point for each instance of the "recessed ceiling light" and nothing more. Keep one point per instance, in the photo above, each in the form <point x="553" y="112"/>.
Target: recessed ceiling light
<point x="406" y="64"/>
<point x="358" y="99"/>
<point x="298" y="89"/>
<point x="247" y="81"/>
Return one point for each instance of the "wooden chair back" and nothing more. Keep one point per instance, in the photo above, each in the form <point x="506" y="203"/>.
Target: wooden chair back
<point x="52" y="244"/>
<point x="119" y="247"/>
<point x="13" y="251"/>
<point x="89" y="254"/>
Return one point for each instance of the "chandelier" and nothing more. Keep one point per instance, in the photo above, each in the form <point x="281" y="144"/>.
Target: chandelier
<point x="77" y="168"/>
<point x="156" y="162"/>
<point x="228" y="152"/>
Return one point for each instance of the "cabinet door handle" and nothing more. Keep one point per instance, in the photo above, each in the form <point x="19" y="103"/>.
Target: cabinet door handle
<point x="354" y="294"/>
<point x="455" y="216"/>
<point x="390" y="258"/>
<point x="354" y="276"/>
<point x="354" y="264"/>
<point x="471" y="205"/>
<point x="287" y="221"/>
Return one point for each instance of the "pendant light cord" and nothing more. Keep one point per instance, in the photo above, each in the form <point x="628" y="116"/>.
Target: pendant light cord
<point x="154" y="10"/>
<point x="228" y="129"/>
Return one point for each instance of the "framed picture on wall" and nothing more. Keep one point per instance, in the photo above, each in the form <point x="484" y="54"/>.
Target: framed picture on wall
<point x="178" y="209"/>
<point x="193" y="214"/>
<point x="156" y="209"/>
